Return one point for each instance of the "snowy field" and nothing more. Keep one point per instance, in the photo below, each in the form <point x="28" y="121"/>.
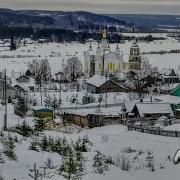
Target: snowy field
<point x="57" y="54"/>
<point x="118" y="139"/>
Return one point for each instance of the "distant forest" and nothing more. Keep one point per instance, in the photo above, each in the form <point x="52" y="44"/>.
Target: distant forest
<point x="62" y="35"/>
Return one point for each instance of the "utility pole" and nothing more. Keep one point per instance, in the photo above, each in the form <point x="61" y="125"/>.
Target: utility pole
<point x="59" y="81"/>
<point x="103" y="62"/>
<point x="60" y="94"/>
<point x="41" y="91"/>
<point x="106" y="91"/>
<point x="5" y="102"/>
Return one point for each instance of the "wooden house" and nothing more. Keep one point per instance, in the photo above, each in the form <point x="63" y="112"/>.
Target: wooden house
<point x="153" y="110"/>
<point x="169" y="76"/>
<point x="93" y="118"/>
<point x="23" y="79"/>
<point x="100" y="84"/>
<point x="150" y="81"/>
<point x="11" y="92"/>
<point x="83" y="119"/>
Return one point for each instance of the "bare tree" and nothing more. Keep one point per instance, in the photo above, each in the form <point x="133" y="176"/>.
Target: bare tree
<point x="41" y="70"/>
<point x="34" y="173"/>
<point x="138" y="82"/>
<point x="73" y="68"/>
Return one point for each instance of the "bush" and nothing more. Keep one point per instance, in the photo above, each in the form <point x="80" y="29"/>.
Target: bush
<point x="9" y="149"/>
<point x="24" y="129"/>
<point x="100" y="166"/>
<point x="39" y="124"/>
<point x="150" y="160"/>
<point x="88" y="98"/>
<point x="123" y="162"/>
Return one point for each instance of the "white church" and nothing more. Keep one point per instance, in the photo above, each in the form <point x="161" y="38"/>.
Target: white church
<point x="103" y="61"/>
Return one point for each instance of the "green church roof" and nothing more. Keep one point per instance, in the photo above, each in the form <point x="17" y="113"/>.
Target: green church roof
<point x="175" y="91"/>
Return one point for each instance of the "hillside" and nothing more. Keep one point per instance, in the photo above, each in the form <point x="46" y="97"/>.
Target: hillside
<point x="56" y="19"/>
<point x="153" y="21"/>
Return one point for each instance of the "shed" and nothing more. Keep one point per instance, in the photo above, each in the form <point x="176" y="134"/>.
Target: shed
<point x="42" y="112"/>
<point x="100" y="84"/>
<point x="154" y="110"/>
<point x="177" y="113"/>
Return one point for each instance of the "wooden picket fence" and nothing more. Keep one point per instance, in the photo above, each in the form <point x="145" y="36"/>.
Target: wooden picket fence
<point x="154" y="131"/>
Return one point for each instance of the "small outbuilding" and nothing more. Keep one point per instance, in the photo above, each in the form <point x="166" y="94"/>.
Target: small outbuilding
<point x="100" y="84"/>
<point x="177" y="113"/>
<point x="43" y="112"/>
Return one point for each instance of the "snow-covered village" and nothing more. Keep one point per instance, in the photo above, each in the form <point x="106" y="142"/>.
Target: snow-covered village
<point x="89" y="96"/>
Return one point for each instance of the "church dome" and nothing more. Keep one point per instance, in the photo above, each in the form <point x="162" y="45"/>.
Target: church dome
<point x="117" y="51"/>
<point x="135" y="45"/>
<point x="98" y="51"/>
<point x="90" y="47"/>
<point x="108" y="48"/>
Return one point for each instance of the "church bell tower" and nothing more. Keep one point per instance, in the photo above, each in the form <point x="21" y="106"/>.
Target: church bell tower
<point x="135" y="57"/>
<point x="104" y="42"/>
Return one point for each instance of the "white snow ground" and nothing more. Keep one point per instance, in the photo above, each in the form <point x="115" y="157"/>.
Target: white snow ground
<point x="118" y="139"/>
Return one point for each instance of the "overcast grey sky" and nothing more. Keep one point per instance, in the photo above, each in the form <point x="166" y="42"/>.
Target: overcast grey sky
<point x="100" y="6"/>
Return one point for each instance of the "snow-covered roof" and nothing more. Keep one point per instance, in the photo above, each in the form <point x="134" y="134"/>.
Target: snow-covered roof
<point x="134" y="45"/>
<point x="169" y="86"/>
<point x="22" y="76"/>
<point x="36" y="108"/>
<point x="165" y="71"/>
<point x="168" y="99"/>
<point x="97" y="80"/>
<point x="110" y="111"/>
<point x="129" y="106"/>
<point x="168" y="77"/>
<point x="154" y="108"/>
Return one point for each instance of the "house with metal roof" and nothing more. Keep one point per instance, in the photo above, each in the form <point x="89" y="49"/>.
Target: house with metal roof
<point x="154" y="110"/>
<point x="100" y="84"/>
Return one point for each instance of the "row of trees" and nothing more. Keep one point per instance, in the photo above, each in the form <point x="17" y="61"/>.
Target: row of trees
<point x="59" y="35"/>
<point x="41" y="70"/>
